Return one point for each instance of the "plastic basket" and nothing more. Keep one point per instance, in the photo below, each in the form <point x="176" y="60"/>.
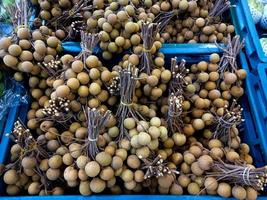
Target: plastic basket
<point x="169" y="48"/>
<point x="253" y="102"/>
<point x="6" y="126"/>
<point x="249" y="130"/>
<point x="243" y="21"/>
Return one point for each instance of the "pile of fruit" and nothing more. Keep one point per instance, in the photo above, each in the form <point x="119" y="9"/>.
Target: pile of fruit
<point x="119" y="22"/>
<point x="143" y="125"/>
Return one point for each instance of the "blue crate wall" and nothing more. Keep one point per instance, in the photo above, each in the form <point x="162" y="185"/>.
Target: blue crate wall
<point x="257" y="105"/>
<point x="253" y="102"/>
<point x="245" y="26"/>
<point x="249" y="133"/>
<point x="6" y="126"/>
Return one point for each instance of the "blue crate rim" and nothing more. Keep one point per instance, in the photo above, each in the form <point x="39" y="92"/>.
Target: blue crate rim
<point x="252" y="31"/>
<point x="114" y="196"/>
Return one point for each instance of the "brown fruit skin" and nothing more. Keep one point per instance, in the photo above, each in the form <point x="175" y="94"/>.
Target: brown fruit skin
<point x="5" y="42"/>
<point x="62" y="91"/>
<point x="10" y="177"/>
<point x="224" y="190"/>
<point x="205" y="162"/>
<point x="14" y="50"/>
<point x="251" y="193"/>
<point x="10" y="61"/>
<point x="52" y="42"/>
<point x="97" y="185"/>
<point x="239" y="192"/>
<point x="23" y="33"/>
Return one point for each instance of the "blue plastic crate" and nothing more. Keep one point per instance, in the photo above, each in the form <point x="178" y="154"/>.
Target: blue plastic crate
<point x="249" y="132"/>
<point x="6" y="126"/>
<point x="73" y="47"/>
<point x="245" y="26"/>
<point x="256" y="96"/>
<point x="254" y="102"/>
<point x="185" y="50"/>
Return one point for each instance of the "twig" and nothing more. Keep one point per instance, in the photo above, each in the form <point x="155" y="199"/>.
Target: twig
<point x="96" y="121"/>
<point x="149" y="32"/>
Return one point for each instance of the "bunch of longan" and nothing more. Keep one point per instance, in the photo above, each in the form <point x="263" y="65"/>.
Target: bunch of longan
<point x="27" y="49"/>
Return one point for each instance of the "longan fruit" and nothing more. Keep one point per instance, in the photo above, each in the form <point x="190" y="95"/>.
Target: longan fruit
<point x="23" y="33"/>
<point x="60" y="33"/>
<point x="10" y="177"/>
<point x="26" y="56"/>
<point x="117" y="162"/>
<point x="62" y="91"/>
<point x="133" y="162"/>
<point x="152" y="80"/>
<point x="189" y="158"/>
<point x="94" y="89"/>
<point x="200" y="22"/>
<point x="159" y="61"/>
<point x="75" y="150"/>
<point x="193" y="188"/>
<point x="73" y="83"/>
<point x="183" y="180"/>
<point x="52" y="174"/>
<point x="241" y="74"/>
<point x="179" y="139"/>
<point x="134" y="59"/>
<point x="214" y="58"/>
<point x="107" y="173"/>
<point x="251" y="193"/>
<point x="84" y="188"/>
<point x="92" y="61"/>
<point x="12" y="190"/>
<point x="18" y="76"/>
<point x="77" y="66"/>
<point x="94" y="74"/>
<point x="83" y="91"/>
<point x="144" y="138"/>
<point x="28" y="162"/>
<point x="52" y="42"/>
<point x="143" y="152"/>
<point x="155" y="121"/>
<point x="165" y="181"/>
<point x="97" y="185"/>
<point x="165" y="76"/>
<point x="103" y="158"/>
<point x="205" y="162"/>
<point x="5" y="42"/>
<point x="55" y="161"/>
<point x="10" y="61"/>
<point x="127" y="175"/>
<point x="211" y="183"/>
<point x="202" y="66"/>
<point x="92" y="169"/>
<point x="224" y="190"/>
<point x="237" y="91"/>
<point x="27" y="66"/>
<point x="70" y="174"/>
<point x="34" y="188"/>
<point x="129" y="123"/>
<point x="83" y="78"/>
<point x="198" y="124"/>
<point x="67" y="159"/>
<point x="176" y="189"/>
<point x="230" y="78"/>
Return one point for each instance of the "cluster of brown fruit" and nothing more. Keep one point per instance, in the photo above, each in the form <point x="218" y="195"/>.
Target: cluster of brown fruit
<point x="119" y="22"/>
<point x="194" y="21"/>
<point x="139" y="126"/>
<point x="31" y="51"/>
